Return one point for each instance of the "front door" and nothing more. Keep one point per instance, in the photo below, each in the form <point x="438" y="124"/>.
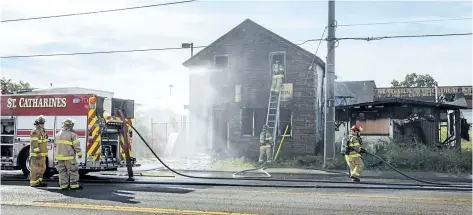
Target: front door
<point x="220" y="131"/>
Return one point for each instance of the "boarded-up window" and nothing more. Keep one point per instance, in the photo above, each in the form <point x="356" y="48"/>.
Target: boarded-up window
<point x="375" y="127"/>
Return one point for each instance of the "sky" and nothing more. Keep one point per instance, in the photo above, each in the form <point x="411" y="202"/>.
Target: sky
<point x="146" y="76"/>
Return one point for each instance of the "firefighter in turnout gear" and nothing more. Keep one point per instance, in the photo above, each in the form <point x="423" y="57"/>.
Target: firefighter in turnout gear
<point x="67" y="146"/>
<point x="278" y="76"/>
<point x="353" y="156"/>
<point x="38" y="152"/>
<point x="265" y="139"/>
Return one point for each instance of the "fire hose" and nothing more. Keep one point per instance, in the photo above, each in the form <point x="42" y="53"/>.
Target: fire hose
<point x="284" y="180"/>
<point x="396" y="186"/>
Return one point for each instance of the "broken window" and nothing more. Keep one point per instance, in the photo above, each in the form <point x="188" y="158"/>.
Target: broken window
<point x="278" y="63"/>
<point x="285" y="120"/>
<point x="247" y="121"/>
<point x="221" y="62"/>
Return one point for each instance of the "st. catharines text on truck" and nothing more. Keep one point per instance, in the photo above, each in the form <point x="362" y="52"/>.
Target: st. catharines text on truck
<point x="37" y="102"/>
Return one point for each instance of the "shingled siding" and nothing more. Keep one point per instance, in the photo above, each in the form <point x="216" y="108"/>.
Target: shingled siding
<point x="249" y="65"/>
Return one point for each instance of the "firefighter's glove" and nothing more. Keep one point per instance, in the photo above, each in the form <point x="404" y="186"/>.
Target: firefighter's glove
<point x="362" y="150"/>
<point x="79" y="155"/>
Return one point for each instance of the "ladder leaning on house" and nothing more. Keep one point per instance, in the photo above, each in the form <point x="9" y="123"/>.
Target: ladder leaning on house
<point x="272" y="116"/>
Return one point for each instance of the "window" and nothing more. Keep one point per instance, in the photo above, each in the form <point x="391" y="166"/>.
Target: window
<point x="221" y="61"/>
<point x="277" y="58"/>
<point x="285" y="119"/>
<point x="374" y="127"/>
<point x="247" y="122"/>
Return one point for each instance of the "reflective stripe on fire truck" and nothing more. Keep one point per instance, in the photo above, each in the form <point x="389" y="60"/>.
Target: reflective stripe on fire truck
<point x="93" y="145"/>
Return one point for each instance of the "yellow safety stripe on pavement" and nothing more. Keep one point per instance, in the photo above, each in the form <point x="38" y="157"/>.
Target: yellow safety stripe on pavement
<point x="119" y="208"/>
<point x="348" y="195"/>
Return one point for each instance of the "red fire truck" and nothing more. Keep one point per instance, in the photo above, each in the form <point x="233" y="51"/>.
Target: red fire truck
<point x="99" y="130"/>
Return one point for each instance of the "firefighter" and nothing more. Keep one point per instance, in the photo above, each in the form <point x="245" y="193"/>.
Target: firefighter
<point x="265" y="140"/>
<point x="353" y="157"/>
<point x="67" y="146"/>
<point x="278" y="76"/>
<point x="38" y="152"/>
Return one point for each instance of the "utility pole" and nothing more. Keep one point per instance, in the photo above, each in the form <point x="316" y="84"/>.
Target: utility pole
<point x="329" y="137"/>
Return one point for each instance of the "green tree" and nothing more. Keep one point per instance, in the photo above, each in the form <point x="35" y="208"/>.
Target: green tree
<point x="415" y="80"/>
<point x="9" y="87"/>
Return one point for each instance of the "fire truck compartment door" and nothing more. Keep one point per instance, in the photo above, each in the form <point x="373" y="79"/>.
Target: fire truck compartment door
<point x="80" y="128"/>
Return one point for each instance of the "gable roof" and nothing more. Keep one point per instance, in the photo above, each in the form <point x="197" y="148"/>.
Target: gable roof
<point x="317" y="60"/>
<point x="360" y="91"/>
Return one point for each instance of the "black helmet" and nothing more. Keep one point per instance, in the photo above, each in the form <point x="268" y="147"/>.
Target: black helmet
<point x="39" y="120"/>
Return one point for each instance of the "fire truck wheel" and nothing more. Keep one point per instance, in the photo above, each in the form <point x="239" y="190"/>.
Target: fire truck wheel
<point x="25" y="162"/>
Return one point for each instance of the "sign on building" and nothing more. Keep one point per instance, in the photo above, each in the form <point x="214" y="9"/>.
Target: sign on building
<point x="412" y="92"/>
<point x="286" y="92"/>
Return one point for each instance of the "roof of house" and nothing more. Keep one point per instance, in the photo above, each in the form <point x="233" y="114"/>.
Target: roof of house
<point x="359" y="91"/>
<point x="263" y="29"/>
<point x="399" y="102"/>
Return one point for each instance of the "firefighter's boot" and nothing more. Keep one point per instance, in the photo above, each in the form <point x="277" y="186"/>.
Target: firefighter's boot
<point x="355" y="179"/>
<point x="76" y="187"/>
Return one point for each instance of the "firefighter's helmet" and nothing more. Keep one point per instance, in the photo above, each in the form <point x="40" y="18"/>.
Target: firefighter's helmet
<point x="265" y="127"/>
<point x="356" y="128"/>
<point x="40" y="120"/>
<point x="68" y="124"/>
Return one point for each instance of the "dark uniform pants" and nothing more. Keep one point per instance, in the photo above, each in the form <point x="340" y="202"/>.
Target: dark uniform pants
<point x="68" y="173"/>
<point x="38" y="167"/>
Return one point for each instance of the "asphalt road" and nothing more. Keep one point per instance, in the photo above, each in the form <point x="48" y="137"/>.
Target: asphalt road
<point x="18" y="198"/>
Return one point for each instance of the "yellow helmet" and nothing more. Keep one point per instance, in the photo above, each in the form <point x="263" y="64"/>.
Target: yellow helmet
<point x="68" y="123"/>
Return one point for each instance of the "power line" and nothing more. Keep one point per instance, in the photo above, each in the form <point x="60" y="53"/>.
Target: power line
<point x="177" y="48"/>
<point x="100" y="11"/>
<point x="402" y="36"/>
<point x="117" y="51"/>
<point x="407" y="22"/>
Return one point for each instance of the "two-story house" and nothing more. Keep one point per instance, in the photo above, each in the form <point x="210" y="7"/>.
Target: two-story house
<point x="229" y="92"/>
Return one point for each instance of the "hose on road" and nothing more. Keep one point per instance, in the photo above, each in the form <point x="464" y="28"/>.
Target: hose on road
<point x="279" y="180"/>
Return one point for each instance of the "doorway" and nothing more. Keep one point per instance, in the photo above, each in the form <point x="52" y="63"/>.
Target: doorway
<point x="220" y="131"/>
